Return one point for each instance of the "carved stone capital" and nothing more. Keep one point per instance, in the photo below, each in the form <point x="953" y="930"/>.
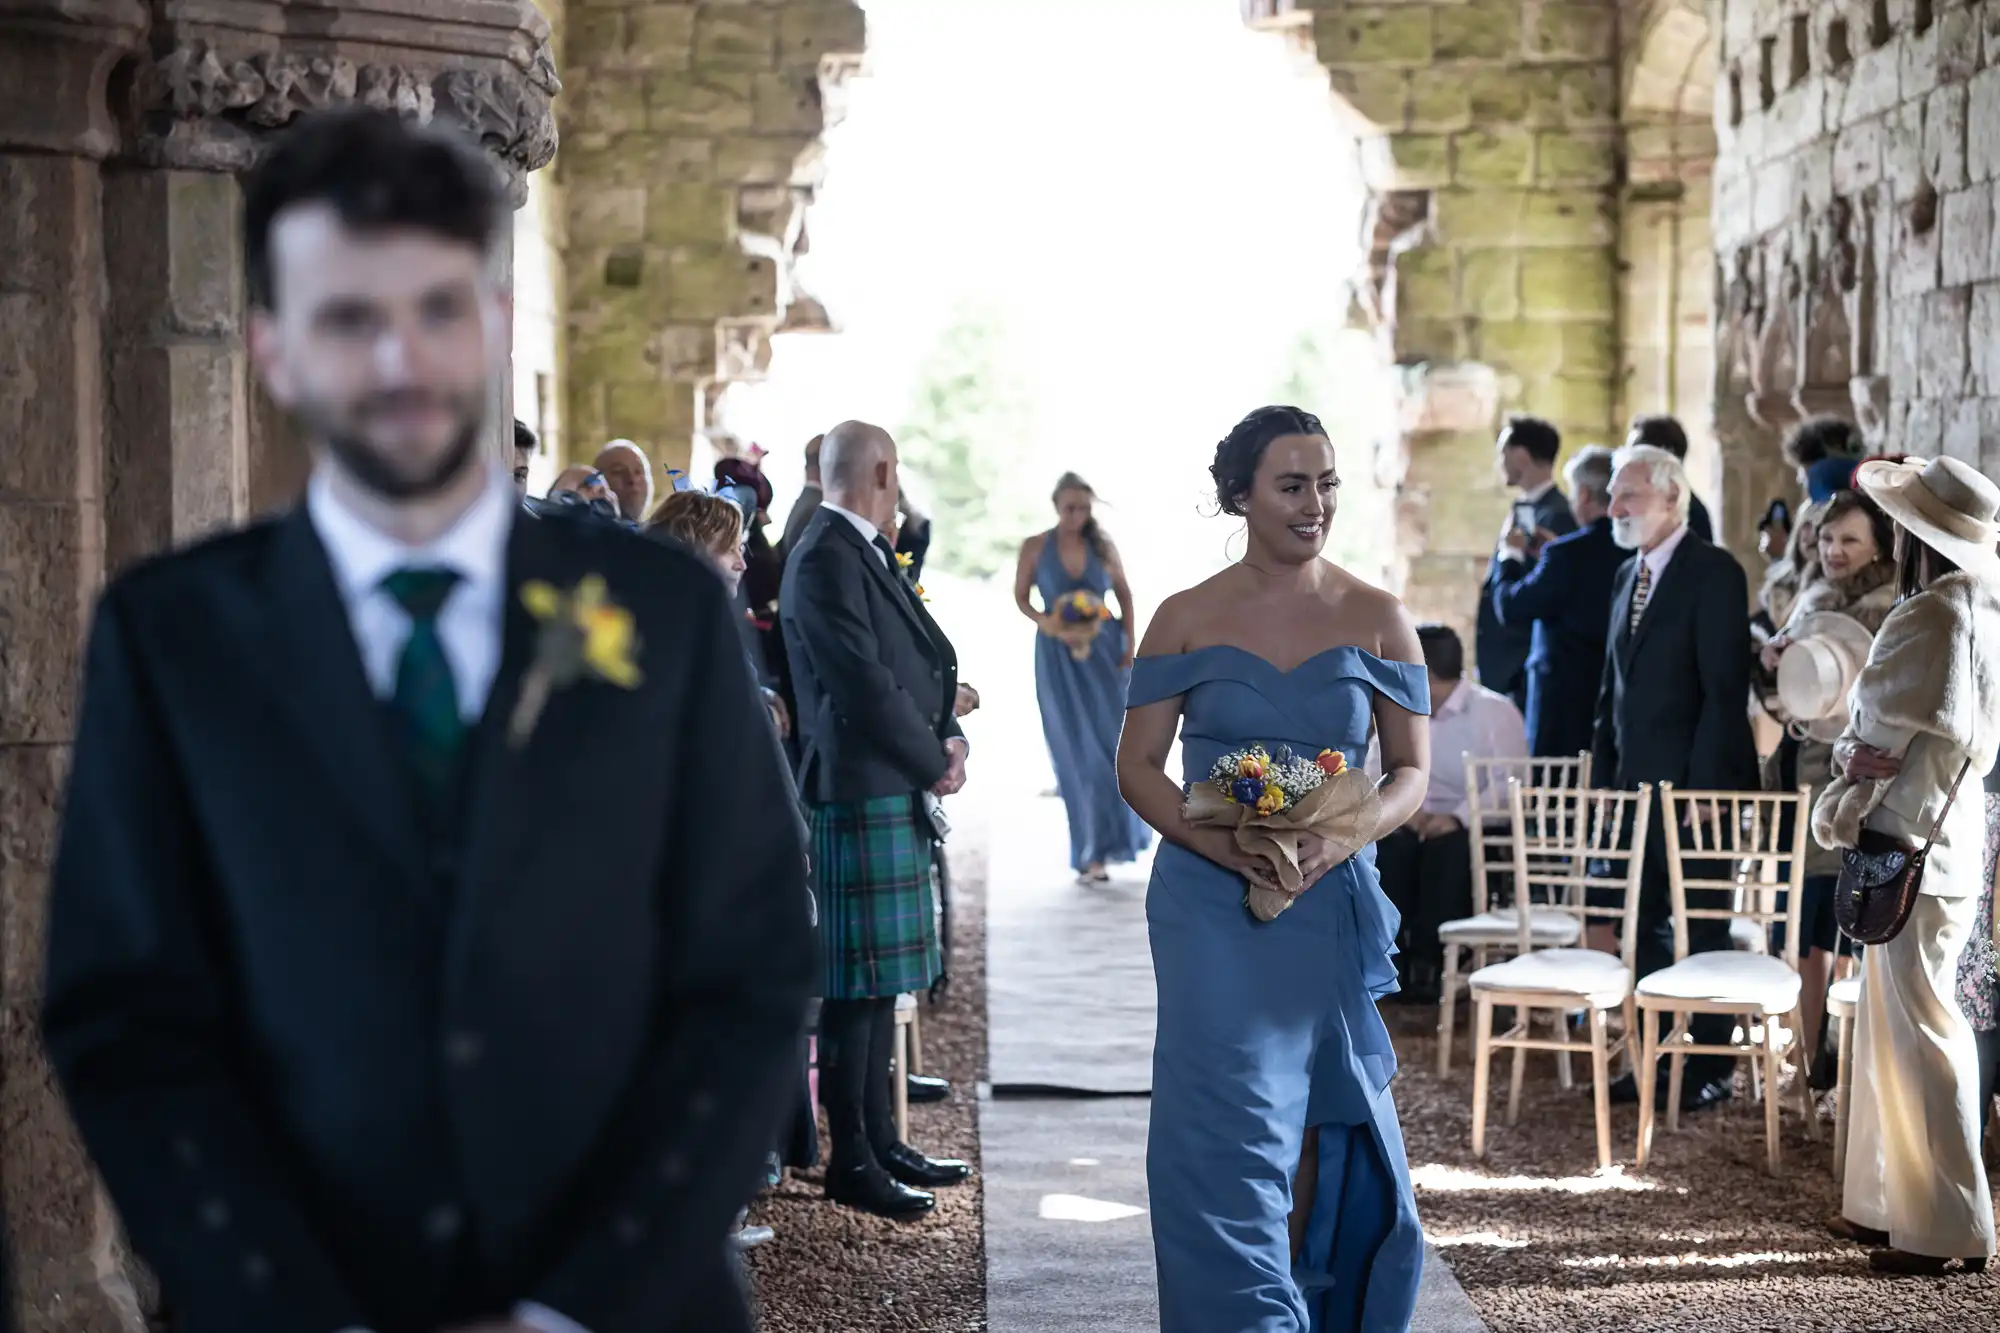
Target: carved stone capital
<point x="225" y="74"/>
<point x="56" y="57"/>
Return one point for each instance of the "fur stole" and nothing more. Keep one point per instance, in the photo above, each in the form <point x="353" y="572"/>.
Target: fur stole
<point x="1868" y="595"/>
<point x="1934" y="669"/>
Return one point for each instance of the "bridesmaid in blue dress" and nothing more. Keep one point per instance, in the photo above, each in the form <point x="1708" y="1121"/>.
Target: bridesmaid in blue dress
<point x="1281" y="1194"/>
<point x="1083" y="703"/>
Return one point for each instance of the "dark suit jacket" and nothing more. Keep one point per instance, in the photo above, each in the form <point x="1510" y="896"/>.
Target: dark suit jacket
<point x="802" y="513"/>
<point x="1698" y="522"/>
<point x="1502" y="650"/>
<point x="1566" y="597"/>
<point x="1673" y="705"/>
<point x="875" y="676"/>
<point x="337" y="1076"/>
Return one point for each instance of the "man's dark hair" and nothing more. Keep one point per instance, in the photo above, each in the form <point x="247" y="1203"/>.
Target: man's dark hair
<point x="1542" y="440"/>
<point x="1444" y="651"/>
<point x="1662" y="432"/>
<point x="524" y="439"/>
<point x="377" y="171"/>
<point x="1822" y="437"/>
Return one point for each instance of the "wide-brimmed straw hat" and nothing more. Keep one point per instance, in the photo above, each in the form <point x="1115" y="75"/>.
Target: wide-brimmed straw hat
<point x="1943" y="503"/>
<point x="1818" y="668"/>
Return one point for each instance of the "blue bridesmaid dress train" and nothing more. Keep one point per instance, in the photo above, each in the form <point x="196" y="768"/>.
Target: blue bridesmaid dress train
<point x="1268" y="1028"/>
<point x="1083" y="708"/>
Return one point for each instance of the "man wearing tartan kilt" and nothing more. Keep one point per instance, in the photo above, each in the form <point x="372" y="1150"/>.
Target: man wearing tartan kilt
<point x="876" y="680"/>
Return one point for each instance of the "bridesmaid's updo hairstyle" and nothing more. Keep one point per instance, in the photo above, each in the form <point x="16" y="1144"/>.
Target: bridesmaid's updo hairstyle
<point x="1242" y="450"/>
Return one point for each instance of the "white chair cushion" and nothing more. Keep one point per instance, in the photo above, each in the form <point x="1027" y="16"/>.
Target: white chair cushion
<point x="1545" y="928"/>
<point x="1842" y="997"/>
<point x="1589" y="975"/>
<point x="1749" y="981"/>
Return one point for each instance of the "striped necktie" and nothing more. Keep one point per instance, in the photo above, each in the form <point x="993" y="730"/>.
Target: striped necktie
<point x="1642" y="592"/>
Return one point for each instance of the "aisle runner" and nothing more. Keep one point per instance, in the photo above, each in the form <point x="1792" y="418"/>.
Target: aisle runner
<point x="1070" y="973"/>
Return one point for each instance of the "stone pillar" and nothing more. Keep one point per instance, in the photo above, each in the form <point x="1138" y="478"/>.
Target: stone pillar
<point x="55" y="59"/>
<point x="689" y="156"/>
<point x="130" y="421"/>
<point x="1489" y="140"/>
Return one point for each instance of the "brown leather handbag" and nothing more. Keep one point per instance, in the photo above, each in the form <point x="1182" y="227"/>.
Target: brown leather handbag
<point x="1881" y="876"/>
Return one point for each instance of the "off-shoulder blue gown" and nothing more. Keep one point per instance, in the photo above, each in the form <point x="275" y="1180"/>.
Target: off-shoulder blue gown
<point x="1267" y="1028"/>
<point x="1083" y="707"/>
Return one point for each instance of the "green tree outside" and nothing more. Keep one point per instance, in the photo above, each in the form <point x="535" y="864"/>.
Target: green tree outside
<point x="970" y="413"/>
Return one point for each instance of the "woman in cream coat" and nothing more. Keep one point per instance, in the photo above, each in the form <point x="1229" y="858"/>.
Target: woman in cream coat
<point x="1925" y="711"/>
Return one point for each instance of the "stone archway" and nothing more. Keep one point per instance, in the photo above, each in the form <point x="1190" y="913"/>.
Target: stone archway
<point x="691" y="151"/>
<point x="1667" y="292"/>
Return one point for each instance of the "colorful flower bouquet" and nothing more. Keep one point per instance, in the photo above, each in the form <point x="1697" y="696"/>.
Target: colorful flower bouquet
<point x="1078" y="617"/>
<point x="1269" y="798"/>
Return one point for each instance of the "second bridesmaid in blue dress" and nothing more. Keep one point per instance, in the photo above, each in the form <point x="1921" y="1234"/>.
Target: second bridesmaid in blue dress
<point x="1083" y="698"/>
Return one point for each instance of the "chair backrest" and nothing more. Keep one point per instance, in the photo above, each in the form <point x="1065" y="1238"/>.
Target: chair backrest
<point x="1491" y="827"/>
<point x="1747" y="848"/>
<point x="1569" y="841"/>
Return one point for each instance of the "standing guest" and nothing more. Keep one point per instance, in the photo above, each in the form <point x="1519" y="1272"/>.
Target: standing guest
<point x="876" y="681"/>
<point x="629" y="474"/>
<point x="807" y="504"/>
<point x="1924" y="716"/>
<point x="1809" y="445"/>
<point x="1979" y="966"/>
<point x="1527" y="448"/>
<point x="1566" y="595"/>
<point x="1664" y="432"/>
<point x="764" y="567"/>
<point x="913" y="536"/>
<point x="1083" y="699"/>
<point x="1426" y="865"/>
<point x="1858" y="584"/>
<point x="1673" y="708"/>
<point x="352" y="1046"/>
<point x="713" y="526"/>
<point x="524" y="457"/>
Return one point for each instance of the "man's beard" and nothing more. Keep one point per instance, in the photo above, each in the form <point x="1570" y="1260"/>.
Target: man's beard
<point x="1627" y="533"/>
<point x="381" y="473"/>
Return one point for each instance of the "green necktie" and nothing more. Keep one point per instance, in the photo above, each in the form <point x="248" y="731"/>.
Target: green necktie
<point x="426" y="700"/>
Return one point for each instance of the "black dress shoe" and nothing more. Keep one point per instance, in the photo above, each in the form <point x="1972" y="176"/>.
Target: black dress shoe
<point x="913" y="1168"/>
<point x="871" y="1190"/>
<point x="924" y="1088"/>
<point x="1705" y="1096"/>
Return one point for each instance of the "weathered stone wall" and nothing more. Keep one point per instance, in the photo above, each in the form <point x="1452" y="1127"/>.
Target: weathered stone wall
<point x="540" y="308"/>
<point x="1856" y="192"/>
<point x="691" y="148"/>
<point x="1490" y="139"/>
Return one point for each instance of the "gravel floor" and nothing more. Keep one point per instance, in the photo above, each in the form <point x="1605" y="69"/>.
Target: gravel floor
<point x="1704" y="1241"/>
<point x="834" y="1270"/>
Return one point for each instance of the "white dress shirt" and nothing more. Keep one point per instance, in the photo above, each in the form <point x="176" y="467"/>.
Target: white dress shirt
<point x="1660" y="556"/>
<point x="468" y="626"/>
<point x="869" y="532"/>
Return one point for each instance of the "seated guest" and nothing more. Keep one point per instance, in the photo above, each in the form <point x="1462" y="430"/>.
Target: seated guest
<point x="713" y="525"/>
<point x="1664" y="432"/>
<point x="1566" y="596"/>
<point x="629" y="474"/>
<point x="1426" y="865"/>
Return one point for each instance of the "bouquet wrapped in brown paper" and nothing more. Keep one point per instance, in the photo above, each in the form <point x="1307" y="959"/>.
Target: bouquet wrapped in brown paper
<point x="1270" y="798"/>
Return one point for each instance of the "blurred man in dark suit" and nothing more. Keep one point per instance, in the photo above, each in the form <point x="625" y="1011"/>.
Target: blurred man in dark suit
<point x="1673" y="707"/>
<point x="1664" y="432"/>
<point x="1527" y="448"/>
<point x="1566" y="597"/>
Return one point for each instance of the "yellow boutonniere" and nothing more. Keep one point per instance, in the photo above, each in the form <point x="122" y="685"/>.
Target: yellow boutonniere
<point x="583" y="633"/>
<point x="918" y="588"/>
<point x="904" y="560"/>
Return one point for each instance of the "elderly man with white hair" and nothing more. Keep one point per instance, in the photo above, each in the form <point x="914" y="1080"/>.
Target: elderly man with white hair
<point x="1673" y="707"/>
<point x="629" y="474"/>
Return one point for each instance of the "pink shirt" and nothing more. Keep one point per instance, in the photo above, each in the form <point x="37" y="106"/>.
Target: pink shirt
<point x="1472" y="721"/>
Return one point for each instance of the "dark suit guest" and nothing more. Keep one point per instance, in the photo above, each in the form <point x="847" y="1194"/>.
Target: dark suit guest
<point x="1565" y="594"/>
<point x="1664" y="432"/>
<point x="807" y="503"/>
<point x="876" y="681"/>
<point x="1527" y="447"/>
<point x="355" y="1044"/>
<point x="1673" y="707"/>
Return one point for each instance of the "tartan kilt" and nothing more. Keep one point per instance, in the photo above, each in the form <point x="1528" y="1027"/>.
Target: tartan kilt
<point x="877" y="907"/>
